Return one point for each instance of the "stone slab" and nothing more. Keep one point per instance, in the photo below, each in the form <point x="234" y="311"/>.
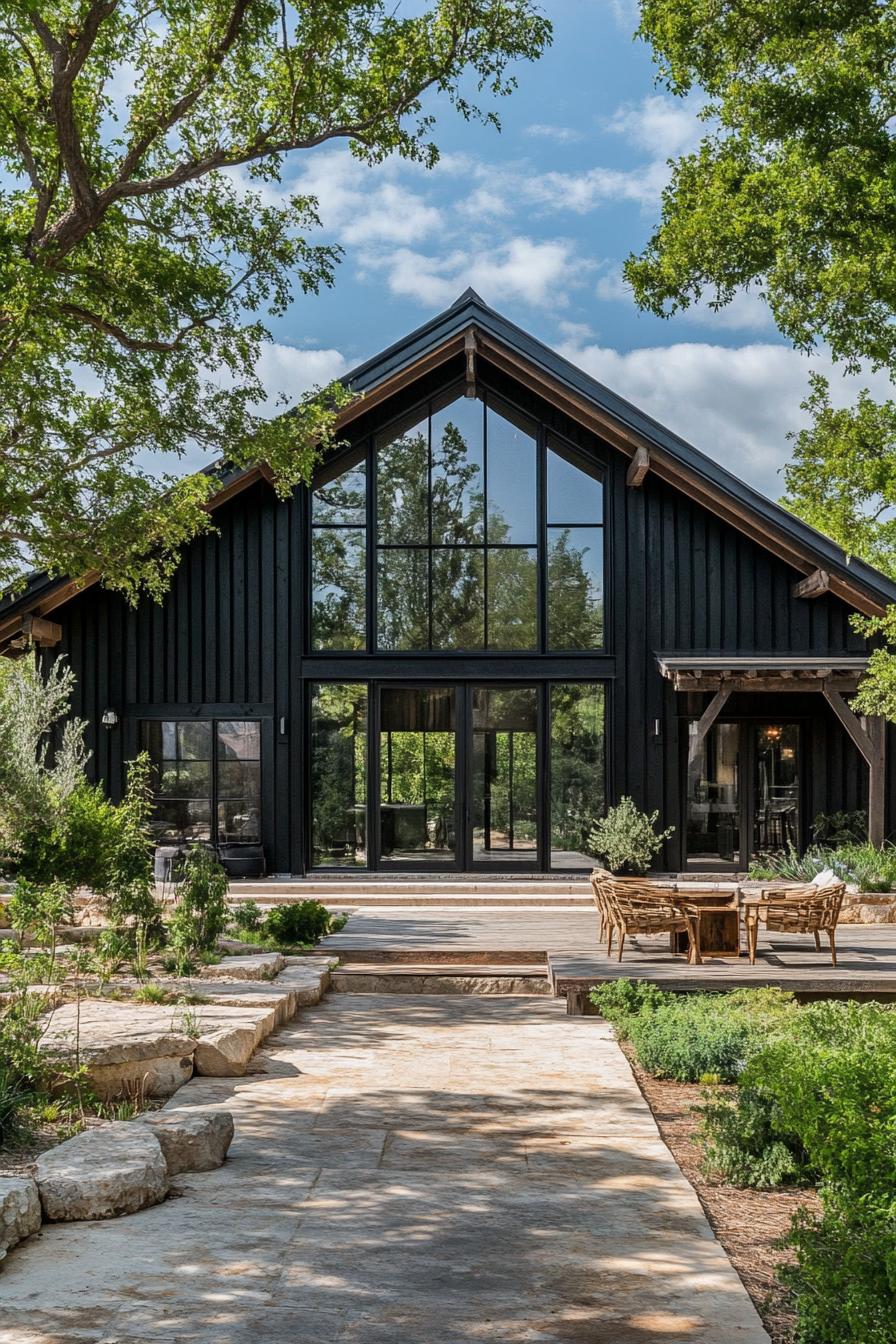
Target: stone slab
<point x="102" y="1173"/>
<point x="259" y="966"/>
<point x="191" y="1141"/>
<point x="20" y="1213"/>
<point x="224" y="1053"/>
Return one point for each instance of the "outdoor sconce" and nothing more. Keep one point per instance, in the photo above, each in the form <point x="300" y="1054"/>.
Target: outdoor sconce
<point x="109" y="719"/>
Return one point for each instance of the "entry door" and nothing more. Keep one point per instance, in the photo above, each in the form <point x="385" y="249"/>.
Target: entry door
<point x="743" y="794"/>
<point x="417" y="751"/>
<point x="503" y="805"/>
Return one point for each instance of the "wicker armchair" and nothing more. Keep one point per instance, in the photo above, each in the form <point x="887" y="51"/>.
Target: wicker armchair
<point x="601" y="881"/>
<point x="802" y="909"/>
<point x="637" y="906"/>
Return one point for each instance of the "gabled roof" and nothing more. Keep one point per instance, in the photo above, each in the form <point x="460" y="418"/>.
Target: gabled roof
<point x="471" y="325"/>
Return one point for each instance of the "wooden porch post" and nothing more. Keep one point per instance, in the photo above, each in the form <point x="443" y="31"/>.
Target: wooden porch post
<point x="869" y="735"/>
<point x="706" y="721"/>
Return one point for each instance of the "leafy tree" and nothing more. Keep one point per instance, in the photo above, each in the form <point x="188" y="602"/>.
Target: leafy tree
<point x="138" y="247"/>
<point x="793" y="189"/>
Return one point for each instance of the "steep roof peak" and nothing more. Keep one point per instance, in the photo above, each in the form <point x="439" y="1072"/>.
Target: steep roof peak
<point x="469" y="296"/>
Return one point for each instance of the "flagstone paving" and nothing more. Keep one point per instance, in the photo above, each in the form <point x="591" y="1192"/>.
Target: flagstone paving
<point x="429" y="1170"/>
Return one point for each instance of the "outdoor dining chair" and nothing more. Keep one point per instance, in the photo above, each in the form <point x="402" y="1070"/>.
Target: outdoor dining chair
<point x="796" y="909"/>
<point x="636" y="906"/>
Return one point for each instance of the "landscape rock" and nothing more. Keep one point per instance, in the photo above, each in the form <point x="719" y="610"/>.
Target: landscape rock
<point x="101" y="1173"/>
<point x="260" y="966"/>
<point x="128" y="1050"/>
<point x="224" y="1053"/>
<point x="20" y="1215"/>
<point x="191" y="1140"/>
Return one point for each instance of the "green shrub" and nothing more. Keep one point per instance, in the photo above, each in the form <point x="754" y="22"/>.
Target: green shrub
<point x="832" y="829"/>
<point x="869" y="868"/>
<point x="843" y="1277"/>
<point x="622" y="1001"/>
<point x="306" y="922"/>
<point x="743" y="1142"/>
<point x="246" y="917"/>
<point x="626" y="838"/>
<point x="201" y="914"/>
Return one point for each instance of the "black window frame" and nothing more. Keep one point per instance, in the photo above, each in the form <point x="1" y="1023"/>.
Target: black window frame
<point x="587" y="461"/>
<point x="214" y="760"/>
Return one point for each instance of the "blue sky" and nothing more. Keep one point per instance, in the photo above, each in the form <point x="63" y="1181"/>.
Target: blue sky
<point x="539" y="219"/>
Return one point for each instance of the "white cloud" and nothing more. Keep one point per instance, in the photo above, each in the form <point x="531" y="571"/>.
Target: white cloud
<point x="562" y="134"/>
<point x="736" y="404"/>
<point x="285" y="370"/>
<point x="664" y="126"/>
<point x="535" y="272"/>
<point x="747" y="311"/>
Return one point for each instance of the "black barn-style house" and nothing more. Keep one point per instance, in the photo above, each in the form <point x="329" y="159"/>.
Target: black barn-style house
<point x="509" y="598"/>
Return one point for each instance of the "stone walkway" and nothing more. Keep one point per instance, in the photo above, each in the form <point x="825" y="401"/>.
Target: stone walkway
<point x="427" y="1170"/>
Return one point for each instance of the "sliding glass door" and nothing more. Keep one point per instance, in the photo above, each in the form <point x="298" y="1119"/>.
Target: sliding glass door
<point x="504" y="793"/>
<point x="418" y="775"/>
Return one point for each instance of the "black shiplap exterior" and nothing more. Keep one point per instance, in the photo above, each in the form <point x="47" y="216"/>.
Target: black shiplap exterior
<point x="230" y="639"/>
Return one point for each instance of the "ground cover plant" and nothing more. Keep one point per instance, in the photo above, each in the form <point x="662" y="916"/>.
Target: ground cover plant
<point x="863" y="865"/>
<point x="298" y="926"/>
<point x="813" y="1100"/>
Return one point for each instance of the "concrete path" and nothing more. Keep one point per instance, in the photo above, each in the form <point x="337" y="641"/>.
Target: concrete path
<point x="427" y="1170"/>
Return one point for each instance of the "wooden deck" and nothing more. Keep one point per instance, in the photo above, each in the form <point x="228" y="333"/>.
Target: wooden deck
<point x="567" y="940"/>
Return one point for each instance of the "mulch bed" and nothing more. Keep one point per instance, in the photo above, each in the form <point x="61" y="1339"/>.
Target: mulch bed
<point x="750" y="1224"/>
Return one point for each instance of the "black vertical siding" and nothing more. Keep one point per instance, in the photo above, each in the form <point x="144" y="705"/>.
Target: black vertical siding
<point x="231" y="632"/>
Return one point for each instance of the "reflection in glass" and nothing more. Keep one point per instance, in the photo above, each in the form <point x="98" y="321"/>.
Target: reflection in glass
<point x="457" y="472"/>
<point x="575" y="587"/>
<point x="339" y="776"/>
<point x="180" y="754"/>
<point x="512" y="597"/>
<point x="417" y="758"/>
<point x="239" y="781"/>
<point x="504" y="805"/>
<point x="402" y="598"/>
<point x="458" y="599"/>
<point x="338" y="588"/>
<point x="510" y="466"/>
<point x="777" y="788"/>
<point x="402" y="486"/>
<point x="574" y="495"/>
<point x="713" y="804"/>
<point x="578" y="796"/>
<point x="340" y="492"/>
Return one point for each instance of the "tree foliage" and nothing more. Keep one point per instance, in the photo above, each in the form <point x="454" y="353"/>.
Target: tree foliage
<point x="141" y="145"/>
<point x="793" y="185"/>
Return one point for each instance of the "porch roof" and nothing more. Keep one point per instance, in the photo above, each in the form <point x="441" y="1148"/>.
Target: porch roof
<point x="762" y="671"/>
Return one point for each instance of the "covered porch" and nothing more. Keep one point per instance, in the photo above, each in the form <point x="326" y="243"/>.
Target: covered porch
<point x="749" y="781"/>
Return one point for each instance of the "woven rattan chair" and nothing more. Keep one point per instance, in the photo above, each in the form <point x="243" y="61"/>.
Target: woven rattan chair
<point x="637" y="906"/>
<point x="600" y="883"/>
<point x="803" y="909"/>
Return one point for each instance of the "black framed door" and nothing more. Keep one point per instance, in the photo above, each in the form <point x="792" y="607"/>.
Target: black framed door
<point x="744" y="794"/>
<point x="418" y="767"/>
<point x="505" y="778"/>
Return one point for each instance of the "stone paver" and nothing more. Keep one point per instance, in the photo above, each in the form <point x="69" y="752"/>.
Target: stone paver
<point x="435" y="1170"/>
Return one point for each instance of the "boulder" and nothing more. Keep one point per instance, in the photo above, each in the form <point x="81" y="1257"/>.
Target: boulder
<point x="224" y="1053"/>
<point x="20" y="1213"/>
<point x="101" y="1173"/>
<point x="128" y="1050"/>
<point x="259" y="966"/>
<point x="191" y="1140"/>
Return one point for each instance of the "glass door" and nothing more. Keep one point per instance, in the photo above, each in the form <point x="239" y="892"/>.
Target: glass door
<point x="417" y="756"/>
<point x="714" y="799"/>
<point x="776" y="787"/>
<point x="505" y="789"/>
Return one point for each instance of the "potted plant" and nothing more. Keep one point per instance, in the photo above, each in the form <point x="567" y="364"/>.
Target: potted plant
<point x="627" y="839"/>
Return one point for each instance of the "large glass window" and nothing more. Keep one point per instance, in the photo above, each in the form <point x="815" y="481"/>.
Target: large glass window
<point x="339" y="557"/>
<point x="339" y="775"/>
<point x="505" y="778"/>
<point x="206" y="779"/>
<point x="578" y="790"/>
<point x="468" y="499"/>
<point x="575" y="559"/>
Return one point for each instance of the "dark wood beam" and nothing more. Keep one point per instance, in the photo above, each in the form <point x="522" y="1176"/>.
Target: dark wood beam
<point x="45" y="634"/>
<point x="637" y="468"/>
<point x="706" y="721"/>
<point x="847" y="682"/>
<point x="815" y="584"/>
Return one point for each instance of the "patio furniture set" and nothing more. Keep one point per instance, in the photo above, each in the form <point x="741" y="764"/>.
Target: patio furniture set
<point x="705" y="920"/>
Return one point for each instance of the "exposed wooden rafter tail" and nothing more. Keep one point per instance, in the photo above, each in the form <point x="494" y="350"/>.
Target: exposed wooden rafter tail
<point x="815" y="584"/>
<point x="638" y="468"/>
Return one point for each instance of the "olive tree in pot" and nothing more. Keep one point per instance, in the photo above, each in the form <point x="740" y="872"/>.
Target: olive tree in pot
<point x="626" y="838"/>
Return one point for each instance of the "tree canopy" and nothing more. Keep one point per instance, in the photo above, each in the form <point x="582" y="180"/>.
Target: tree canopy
<point x="793" y="189"/>
<point x="140" y="253"/>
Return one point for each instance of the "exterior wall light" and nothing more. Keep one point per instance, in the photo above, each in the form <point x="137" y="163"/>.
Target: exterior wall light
<point x="109" y="719"/>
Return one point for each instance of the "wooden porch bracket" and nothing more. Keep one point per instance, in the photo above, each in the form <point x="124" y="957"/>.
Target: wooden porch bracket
<point x="869" y="736"/>
<point x="706" y="721"/>
<point x="638" y="468"/>
<point x="815" y="584"/>
<point x="470" y="348"/>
